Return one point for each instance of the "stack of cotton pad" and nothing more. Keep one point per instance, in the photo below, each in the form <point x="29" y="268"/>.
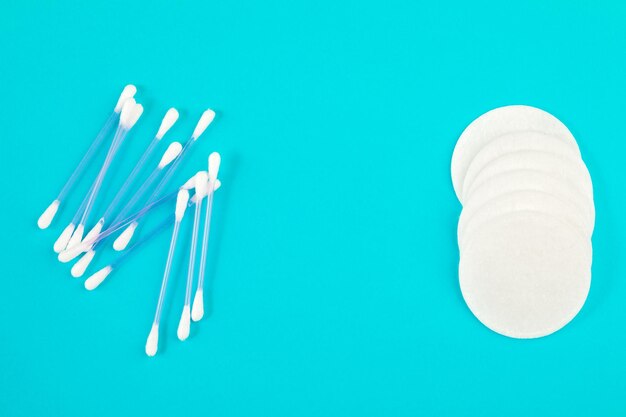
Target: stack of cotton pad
<point x="524" y="234"/>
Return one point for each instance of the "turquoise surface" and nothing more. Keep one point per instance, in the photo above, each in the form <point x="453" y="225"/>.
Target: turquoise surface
<point x="333" y="254"/>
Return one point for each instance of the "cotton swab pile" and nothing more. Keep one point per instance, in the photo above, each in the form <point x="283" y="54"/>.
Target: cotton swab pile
<point x="124" y="215"/>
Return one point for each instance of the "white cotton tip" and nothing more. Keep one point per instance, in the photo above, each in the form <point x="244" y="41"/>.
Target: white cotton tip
<point x="170" y="154"/>
<point x="93" y="233"/>
<point x="68" y="254"/>
<point x="96" y="279"/>
<point x="127" y="111"/>
<point x="202" y="182"/>
<point x="197" y="308"/>
<point x="81" y="266"/>
<point x="191" y="182"/>
<point x="61" y="242"/>
<point x="152" y="344"/>
<point x="214" y="165"/>
<point x="204" y="122"/>
<point x="128" y="92"/>
<point x="218" y="184"/>
<point x="134" y="116"/>
<point x="168" y="121"/>
<point x="124" y="239"/>
<point x="181" y="204"/>
<point x="77" y="237"/>
<point x="183" y="324"/>
<point x="46" y="217"/>
<point x="73" y="252"/>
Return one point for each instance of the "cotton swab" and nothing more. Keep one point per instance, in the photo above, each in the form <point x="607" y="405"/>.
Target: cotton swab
<point x="97" y="278"/>
<point x="168" y="121"/>
<point x="61" y="242"/>
<point x="129" y="116"/>
<point x="185" y="318"/>
<point x="205" y="120"/>
<point x="197" y="310"/>
<point x="170" y="155"/>
<point x="152" y="342"/>
<point x="46" y="218"/>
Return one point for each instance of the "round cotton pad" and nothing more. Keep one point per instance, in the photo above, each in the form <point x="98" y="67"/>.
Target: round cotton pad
<point x="573" y="171"/>
<point x="526" y="275"/>
<point x="527" y="180"/>
<point x="474" y="218"/>
<point x="495" y="123"/>
<point x="515" y="142"/>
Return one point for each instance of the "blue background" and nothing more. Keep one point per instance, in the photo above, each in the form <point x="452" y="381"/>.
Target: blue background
<point x="333" y="257"/>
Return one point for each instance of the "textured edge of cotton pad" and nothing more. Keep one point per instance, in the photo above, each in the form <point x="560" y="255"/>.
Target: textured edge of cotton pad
<point x="573" y="171"/>
<point x="530" y="180"/>
<point x="477" y="217"/>
<point x="494" y="123"/>
<point x="515" y="142"/>
<point x="487" y="314"/>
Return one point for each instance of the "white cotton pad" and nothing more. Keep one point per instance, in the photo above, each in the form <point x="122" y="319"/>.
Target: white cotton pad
<point x="474" y="218"/>
<point x="495" y="123"/>
<point x="515" y="142"/>
<point x="528" y="180"/>
<point x="526" y="275"/>
<point x="573" y="171"/>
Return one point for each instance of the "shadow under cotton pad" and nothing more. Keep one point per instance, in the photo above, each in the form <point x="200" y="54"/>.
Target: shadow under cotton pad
<point x="525" y="274"/>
